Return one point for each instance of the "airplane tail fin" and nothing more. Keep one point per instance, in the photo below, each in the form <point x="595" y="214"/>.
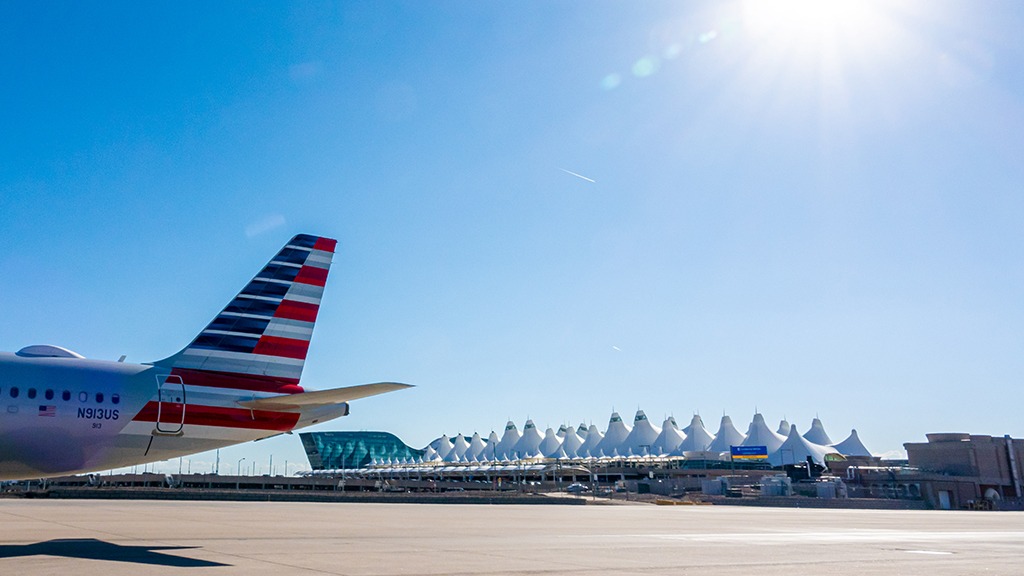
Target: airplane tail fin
<point x="259" y="341"/>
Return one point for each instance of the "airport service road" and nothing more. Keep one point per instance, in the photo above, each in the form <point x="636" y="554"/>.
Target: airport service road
<point x="83" y="537"/>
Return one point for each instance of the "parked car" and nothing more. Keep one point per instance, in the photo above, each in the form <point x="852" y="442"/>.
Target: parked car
<point x="577" y="488"/>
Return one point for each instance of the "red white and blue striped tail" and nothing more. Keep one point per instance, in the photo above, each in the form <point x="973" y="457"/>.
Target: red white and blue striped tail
<point x="259" y="341"/>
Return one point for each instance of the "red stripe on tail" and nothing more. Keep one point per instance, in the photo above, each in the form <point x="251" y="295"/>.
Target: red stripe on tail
<point x="291" y="310"/>
<point x="312" y="275"/>
<point x="284" y="347"/>
<point x="325" y="244"/>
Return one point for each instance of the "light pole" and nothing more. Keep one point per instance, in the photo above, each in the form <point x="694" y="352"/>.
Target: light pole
<point x="238" y="474"/>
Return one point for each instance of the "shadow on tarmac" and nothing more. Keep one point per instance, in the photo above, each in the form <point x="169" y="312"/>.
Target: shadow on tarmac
<point x="93" y="549"/>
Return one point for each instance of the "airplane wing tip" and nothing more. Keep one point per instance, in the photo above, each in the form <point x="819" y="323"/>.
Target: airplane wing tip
<point x="324" y="397"/>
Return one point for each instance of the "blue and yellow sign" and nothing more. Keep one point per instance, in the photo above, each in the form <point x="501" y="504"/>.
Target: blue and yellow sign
<point x="749" y="452"/>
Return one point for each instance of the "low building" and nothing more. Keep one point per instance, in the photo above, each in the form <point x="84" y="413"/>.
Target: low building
<point x="959" y="471"/>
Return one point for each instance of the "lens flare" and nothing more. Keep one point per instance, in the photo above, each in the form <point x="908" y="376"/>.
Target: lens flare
<point x="645" y="66"/>
<point x="611" y="81"/>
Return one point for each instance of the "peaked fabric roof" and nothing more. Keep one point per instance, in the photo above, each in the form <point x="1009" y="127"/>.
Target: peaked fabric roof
<point x="444" y="446"/>
<point x="783" y="428"/>
<point x="460" y="445"/>
<point x="582" y="430"/>
<point x="697" y="437"/>
<point x="817" y="434"/>
<point x="550" y="444"/>
<point x="529" y="445"/>
<point x="613" y="438"/>
<point x="589" y="447"/>
<point x="758" y="434"/>
<point x="559" y="453"/>
<point x="727" y="436"/>
<point x="571" y="443"/>
<point x="452" y="456"/>
<point x="641" y="437"/>
<point x="669" y="439"/>
<point x="852" y="446"/>
<point x="476" y="447"/>
<point x="490" y="451"/>
<point x="796" y="449"/>
<point x="508" y="439"/>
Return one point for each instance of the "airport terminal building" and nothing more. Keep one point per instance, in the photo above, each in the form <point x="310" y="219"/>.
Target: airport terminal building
<point x="664" y="459"/>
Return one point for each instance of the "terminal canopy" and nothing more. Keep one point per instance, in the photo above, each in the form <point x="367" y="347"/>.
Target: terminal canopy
<point x="796" y="449"/>
<point x="852" y="446"/>
<point x="758" y="434"/>
<point x="817" y="434"/>
<point x="613" y="438"/>
<point x="669" y="439"/>
<point x="727" y="436"/>
<point x="698" y="439"/>
<point x="641" y="437"/>
<point x="508" y="440"/>
<point x="590" y="443"/>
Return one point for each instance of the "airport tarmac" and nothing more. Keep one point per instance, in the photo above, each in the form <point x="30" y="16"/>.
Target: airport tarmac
<point x="152" y="537"/>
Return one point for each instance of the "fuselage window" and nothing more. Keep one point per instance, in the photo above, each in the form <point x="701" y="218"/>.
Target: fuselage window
<point x="115" y="398"/>
<point x="31" y="393"/>
<point x="65" y="395"/>
<point x="49" y="394"/>
<point x="99" y="397"/>
<point x="83" y="397"/>
<point x="14" y="392"/>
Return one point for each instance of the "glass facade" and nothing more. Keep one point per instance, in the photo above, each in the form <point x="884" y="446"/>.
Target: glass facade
<point x="334" y="450"/>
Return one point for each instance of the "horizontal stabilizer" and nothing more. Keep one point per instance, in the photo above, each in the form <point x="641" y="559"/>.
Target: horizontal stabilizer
<point x="321" y="398"/>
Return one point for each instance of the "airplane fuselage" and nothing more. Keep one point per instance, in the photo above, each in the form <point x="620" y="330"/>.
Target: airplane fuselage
<point x="63" y="415"/>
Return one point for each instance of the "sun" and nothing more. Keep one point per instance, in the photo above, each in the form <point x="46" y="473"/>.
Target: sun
<point x="806" y="25"/>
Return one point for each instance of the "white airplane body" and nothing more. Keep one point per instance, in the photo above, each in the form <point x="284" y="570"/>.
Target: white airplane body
<point x="237" y="381"/>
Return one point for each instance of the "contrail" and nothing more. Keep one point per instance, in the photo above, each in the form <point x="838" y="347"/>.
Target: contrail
<point x="577" y="175"/>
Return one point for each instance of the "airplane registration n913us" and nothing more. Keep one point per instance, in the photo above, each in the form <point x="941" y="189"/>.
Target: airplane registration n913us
<point x="237" y="381"/>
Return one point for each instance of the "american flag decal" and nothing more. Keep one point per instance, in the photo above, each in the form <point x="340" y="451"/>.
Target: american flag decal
<point x="50" y="411"/>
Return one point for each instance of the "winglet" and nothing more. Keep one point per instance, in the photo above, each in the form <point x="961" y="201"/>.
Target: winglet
<point x="321" y="398"/>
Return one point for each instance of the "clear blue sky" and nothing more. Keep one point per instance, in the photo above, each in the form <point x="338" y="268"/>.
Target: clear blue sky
<point x="809" y="208"/>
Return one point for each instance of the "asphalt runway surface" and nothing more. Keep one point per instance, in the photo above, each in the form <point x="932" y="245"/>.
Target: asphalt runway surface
<point x="86" y="537"/>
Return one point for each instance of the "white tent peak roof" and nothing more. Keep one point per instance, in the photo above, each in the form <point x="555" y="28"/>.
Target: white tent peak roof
<point x="817" y="433"/>
<point x="784" y="427"/>
<point x="852" y="446"/>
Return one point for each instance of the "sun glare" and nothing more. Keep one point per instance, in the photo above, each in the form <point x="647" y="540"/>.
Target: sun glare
<point x="793" y="24"/>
